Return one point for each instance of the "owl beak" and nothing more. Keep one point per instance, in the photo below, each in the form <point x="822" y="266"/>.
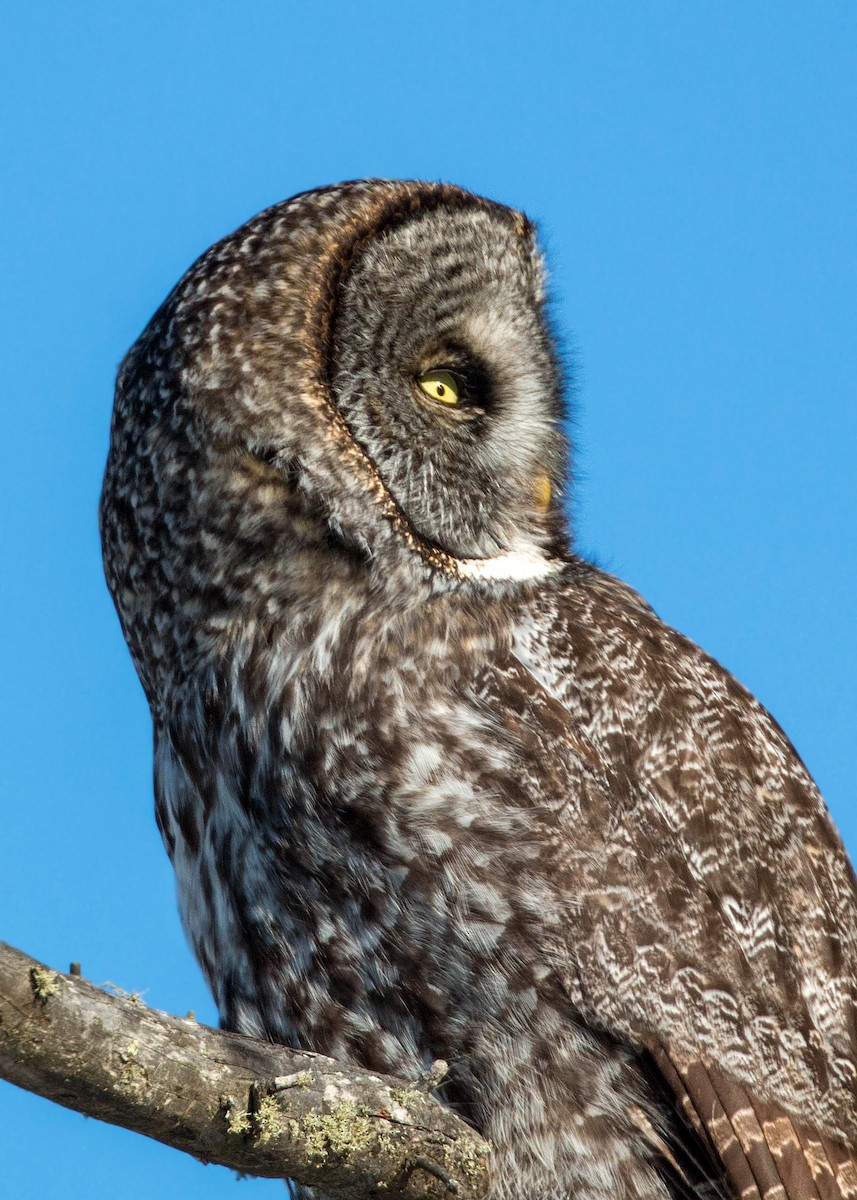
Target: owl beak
<point x="542" y="492"/>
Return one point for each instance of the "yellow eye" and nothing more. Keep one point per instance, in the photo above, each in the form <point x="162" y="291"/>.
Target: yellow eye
<point x="440" y="385"/>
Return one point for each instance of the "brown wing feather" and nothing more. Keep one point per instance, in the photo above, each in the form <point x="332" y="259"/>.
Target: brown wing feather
<point x="715" y="918"/>
<point x="768" y="1153"/>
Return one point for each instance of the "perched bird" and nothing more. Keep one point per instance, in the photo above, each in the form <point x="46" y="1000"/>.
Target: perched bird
<point x="434" y="786"/>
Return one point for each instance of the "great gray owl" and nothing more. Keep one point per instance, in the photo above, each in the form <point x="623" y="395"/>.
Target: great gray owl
<point x="433" y="786"/>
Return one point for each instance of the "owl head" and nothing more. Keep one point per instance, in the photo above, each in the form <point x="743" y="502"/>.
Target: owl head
<point x="360" y="378"/>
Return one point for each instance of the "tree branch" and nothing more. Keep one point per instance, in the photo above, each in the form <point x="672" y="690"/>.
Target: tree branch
<point x="257" y="1108"/>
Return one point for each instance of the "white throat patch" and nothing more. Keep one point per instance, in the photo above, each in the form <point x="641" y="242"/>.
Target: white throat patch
<point x="511" y="565"/>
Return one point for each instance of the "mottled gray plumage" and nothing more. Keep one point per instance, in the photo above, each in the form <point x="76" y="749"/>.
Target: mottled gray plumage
<point x="433" y="786"/>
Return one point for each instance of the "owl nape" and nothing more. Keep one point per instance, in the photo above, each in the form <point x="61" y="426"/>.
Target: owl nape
<point x="434" y="786"/>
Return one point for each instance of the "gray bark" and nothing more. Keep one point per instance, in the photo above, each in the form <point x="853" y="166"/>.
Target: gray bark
<point x="257" y="1108"/>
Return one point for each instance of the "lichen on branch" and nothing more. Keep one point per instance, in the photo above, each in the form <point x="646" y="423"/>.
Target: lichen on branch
<point x="257" y="1108"/>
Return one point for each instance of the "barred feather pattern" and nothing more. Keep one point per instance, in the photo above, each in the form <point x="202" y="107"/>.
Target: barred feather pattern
<point x="433" y="786"/>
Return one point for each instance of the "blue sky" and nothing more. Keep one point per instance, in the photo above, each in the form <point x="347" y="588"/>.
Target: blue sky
<point x="693" y="168"/>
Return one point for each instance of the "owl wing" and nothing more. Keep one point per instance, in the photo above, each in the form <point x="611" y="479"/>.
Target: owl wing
<point x="712" y="911"/>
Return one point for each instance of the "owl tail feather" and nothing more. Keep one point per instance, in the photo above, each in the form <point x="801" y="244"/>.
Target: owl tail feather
<point x="766" y="1153"/>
